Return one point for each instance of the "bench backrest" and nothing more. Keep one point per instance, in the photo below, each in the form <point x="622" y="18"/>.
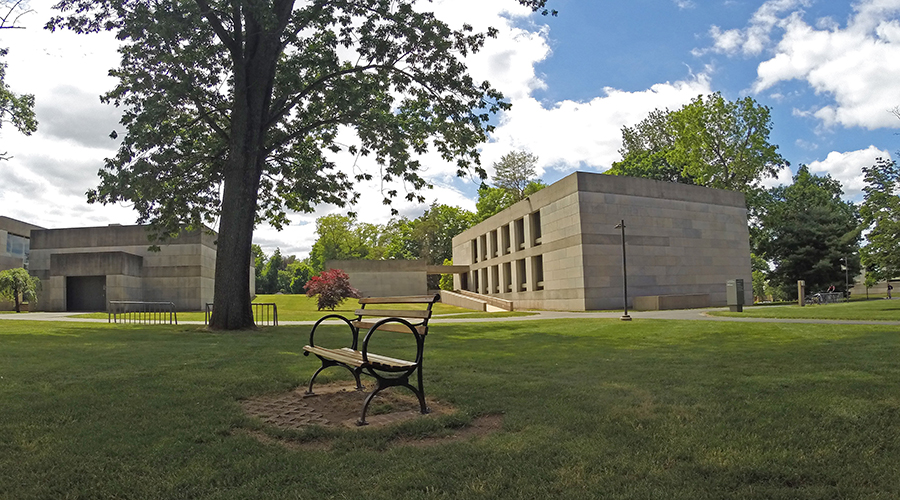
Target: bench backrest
<point x="418" y="317"/>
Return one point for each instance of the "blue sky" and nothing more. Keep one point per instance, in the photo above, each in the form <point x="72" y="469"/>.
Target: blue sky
<point x="829" y="71"/>
<point x="633" y="46"/>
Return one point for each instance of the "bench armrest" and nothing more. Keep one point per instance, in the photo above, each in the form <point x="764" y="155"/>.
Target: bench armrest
<point x="353" y="330"/>
<point x="420" y="338"/>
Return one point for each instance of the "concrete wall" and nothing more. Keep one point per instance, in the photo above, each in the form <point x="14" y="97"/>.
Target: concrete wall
<point x="384" y="278"/>
<point x="680" y="239"/>
<point x="7" y="262"/>
<point x="182" y="271"/>
<point x="667" y="302"/>
<point x="16" y="227"/>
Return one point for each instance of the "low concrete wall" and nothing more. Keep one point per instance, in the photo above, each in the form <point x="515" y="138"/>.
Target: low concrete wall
<point x="384" y="278"/>
<point x="496" y="302"/>
<point x="667" y="302"/>
<point x="458" y="300"/>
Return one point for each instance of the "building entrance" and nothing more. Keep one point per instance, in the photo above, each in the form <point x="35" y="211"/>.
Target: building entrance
<point x="86" y="293"/>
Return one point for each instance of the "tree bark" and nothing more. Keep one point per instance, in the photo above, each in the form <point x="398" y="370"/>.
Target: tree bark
<point x="254" y="75"/>
<point x="231" y="297"/>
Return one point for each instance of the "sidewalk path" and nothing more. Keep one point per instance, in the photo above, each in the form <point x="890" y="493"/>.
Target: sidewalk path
<point x="684" y="314"/>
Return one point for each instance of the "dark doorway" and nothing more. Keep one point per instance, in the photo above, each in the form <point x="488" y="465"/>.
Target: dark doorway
<point x="86" y="293"/>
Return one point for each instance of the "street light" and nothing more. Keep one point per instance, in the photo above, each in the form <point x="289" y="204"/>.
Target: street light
<point x="625" y="317"/>
<point x="846" y="278"/>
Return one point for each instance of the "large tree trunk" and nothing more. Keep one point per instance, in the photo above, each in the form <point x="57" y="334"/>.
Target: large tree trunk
<point x="231" y="297"/>
<point x="254" y="75"/>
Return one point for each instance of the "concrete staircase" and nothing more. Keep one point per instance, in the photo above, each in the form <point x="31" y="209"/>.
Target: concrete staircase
<point x="475" y="301"/>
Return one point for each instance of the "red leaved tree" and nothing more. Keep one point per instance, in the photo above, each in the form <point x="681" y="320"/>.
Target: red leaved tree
<point x="331" y="287"/>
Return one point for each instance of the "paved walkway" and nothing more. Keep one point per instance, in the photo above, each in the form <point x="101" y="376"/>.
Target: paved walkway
<point x="685" y="314"/>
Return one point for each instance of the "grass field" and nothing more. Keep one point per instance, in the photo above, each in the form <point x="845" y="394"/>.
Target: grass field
<point x="875" y="309"/>
<point x="592" y="409"/>
<point x="303" y="308"/>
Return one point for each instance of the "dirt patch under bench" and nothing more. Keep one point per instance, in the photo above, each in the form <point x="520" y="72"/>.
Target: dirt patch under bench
<point x="339" y="405"/>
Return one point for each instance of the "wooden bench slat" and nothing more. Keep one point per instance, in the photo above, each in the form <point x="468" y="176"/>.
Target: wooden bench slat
<point x="354" y="358"/>
<point x="378" y="359"/>
<point x="335" y="355"/>
<point x="394" y="313"/>
<point x="389" y="327"/>
<point x="411" y="299"/>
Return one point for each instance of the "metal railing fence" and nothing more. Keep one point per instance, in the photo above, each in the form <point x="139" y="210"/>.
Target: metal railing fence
<point x="142" y="312"/>
<point x="825" y="298"/>
<point x="264" y="313"/>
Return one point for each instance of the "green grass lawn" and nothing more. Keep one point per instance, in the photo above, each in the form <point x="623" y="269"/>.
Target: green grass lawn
<point x="592" y="409"/>
<point x="875" y="309"/>
<point x="303" y="308"/>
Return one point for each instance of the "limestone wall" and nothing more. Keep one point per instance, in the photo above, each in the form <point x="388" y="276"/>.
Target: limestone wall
<point x="182" y="271"/>
<point x="565" y="252"/>
<point x="384" y="278"/>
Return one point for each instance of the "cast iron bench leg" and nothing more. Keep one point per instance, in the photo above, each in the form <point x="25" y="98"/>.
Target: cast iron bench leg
<point x="327" y="363"/>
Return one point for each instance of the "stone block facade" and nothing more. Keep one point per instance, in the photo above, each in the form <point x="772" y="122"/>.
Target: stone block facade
<point x="115" y="263"/>
<point x="384" y="278"/>
<point x="560" y="249"/>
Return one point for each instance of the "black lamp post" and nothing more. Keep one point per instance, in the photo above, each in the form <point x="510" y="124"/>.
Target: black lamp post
<point x="625" y="317"/>
<point x="847" y="278"/>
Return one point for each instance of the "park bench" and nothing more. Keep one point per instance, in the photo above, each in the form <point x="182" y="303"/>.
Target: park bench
<point x="387" y="371"/>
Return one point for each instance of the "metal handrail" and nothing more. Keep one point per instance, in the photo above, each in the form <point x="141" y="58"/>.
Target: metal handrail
<point x="143" y="312"/>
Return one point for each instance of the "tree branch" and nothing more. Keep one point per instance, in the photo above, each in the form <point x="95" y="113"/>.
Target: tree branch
<point x="207" y="12"/>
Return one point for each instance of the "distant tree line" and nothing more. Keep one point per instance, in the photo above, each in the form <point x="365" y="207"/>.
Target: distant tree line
<point x="427" y="237"/>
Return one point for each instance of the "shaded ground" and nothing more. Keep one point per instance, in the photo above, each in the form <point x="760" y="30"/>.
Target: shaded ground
<point x="339" y="406"/>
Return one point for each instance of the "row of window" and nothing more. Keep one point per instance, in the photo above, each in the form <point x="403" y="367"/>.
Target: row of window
<point x="507" y="239"/>
<point x="500" y="278"/>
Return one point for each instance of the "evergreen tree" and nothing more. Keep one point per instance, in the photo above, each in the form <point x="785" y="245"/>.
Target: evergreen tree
<point x="809" y="233"/>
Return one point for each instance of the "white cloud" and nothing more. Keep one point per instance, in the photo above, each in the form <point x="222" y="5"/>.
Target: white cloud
<point x="855" y="68"/>
<point x="847" y="168"/>
<point x="783" y="177"/>
<point x="571" y="135"/>
<point x="839" y="64"/>
<point x="685" y="4"/>
<point x="508" y="60"/>
<point x="844" y="167"/>
<point x="755" y="38"/>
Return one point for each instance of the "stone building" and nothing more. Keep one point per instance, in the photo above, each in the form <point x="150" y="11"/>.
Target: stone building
<point x="81" y="269"/>
<point x="15" y="243"/>
<point x="560" y="249"/>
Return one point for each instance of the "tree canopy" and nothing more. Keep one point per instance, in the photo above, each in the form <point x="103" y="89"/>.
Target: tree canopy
<point x="427" y="237"/>
<point x="340" y="238"/>
<point x="232" y="110"/>
<point x="514" y="172"/>
<point x="514" y="180"/>
<point x="18" y="286"/>
<point x="17" y="109"/>
<point x="711" y="141"/>
<point x="880" y="213"/>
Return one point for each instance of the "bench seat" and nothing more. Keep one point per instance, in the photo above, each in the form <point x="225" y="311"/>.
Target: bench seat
<point x="355" y="358"/>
